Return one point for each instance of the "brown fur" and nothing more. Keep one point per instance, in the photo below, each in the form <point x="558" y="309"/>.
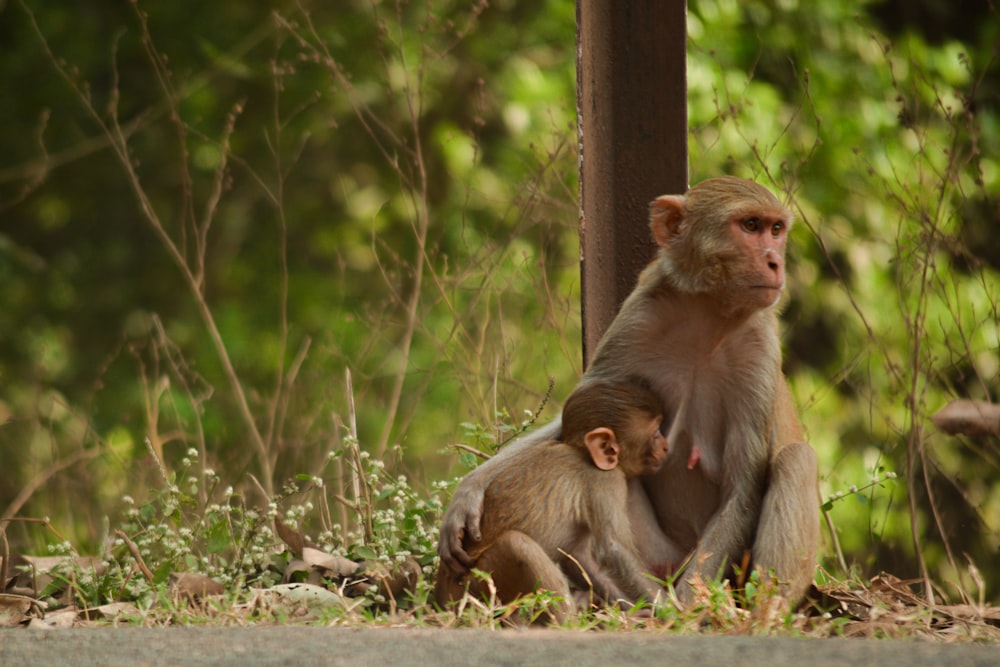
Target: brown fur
<point x="551" y="516"/>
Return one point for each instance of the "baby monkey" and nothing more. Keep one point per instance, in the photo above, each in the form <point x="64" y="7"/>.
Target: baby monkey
<point x="557" y="516"/>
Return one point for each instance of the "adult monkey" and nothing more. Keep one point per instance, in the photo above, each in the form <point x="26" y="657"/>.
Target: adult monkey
<point x="701" y="326"/>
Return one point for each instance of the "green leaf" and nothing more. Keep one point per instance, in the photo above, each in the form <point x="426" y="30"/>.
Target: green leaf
<point x="364" y="552"/>
<point x="218" y="538"/>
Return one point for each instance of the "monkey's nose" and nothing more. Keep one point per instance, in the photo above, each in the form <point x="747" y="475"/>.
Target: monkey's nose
<point x="777" y="268"/>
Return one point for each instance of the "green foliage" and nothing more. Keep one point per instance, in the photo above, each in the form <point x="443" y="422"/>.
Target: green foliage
<point x="878" y="481"/>
<point x="191" y="525"/>
<point x="343" y="192"/>
<point x="885" y="145"/>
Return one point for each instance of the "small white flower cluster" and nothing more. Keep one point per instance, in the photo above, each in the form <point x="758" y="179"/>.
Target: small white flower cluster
<point x="61" y="549"/>
<point x="876" y="480"/>
<point x="235" y="545"/>
<point x="295" y="515"/>
<point x="223" y="539"/>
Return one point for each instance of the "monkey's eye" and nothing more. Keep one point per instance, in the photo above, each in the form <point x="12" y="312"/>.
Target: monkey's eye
<point x="777" y="228"/>
<point x="751" y="225"/>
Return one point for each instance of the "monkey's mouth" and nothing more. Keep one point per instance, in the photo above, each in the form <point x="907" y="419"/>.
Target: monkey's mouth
<point x="653" y="463"/>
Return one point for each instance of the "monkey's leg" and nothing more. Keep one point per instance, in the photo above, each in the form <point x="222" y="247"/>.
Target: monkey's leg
<point x="450" y="586"/>
<point x="520" y="566"/>
<point x="788" y="532"/>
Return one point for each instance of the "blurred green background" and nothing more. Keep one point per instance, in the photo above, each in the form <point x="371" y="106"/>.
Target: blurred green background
<point x="390" y="188"/>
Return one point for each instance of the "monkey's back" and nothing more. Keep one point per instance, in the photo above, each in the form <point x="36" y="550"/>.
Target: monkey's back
<point x="546" y="492"/>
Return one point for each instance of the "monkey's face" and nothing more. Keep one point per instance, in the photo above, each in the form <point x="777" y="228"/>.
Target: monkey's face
<point x="724" y="238"/>
<point x="761" y="236"/>
<point x="651" y="445"/>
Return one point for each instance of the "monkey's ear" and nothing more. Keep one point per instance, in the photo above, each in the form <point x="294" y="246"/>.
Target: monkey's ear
<point x="603" y="448"/>
<point x="666" y="218"/>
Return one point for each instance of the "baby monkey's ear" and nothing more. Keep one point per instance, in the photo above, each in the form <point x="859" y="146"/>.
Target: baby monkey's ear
<point x="603" y="448"/>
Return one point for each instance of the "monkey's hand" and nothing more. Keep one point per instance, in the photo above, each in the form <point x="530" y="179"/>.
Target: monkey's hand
<point x="461" y="521"/>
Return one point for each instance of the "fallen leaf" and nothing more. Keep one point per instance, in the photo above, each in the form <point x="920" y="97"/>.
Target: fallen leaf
<point x="14" y="610"/>
<point x="64" y="618"/>
<point x="336" y="566"/>
<point x="390" y="582"/>
<point x="297" y="599"/>
<point x="193" y="586"/>
<point x="111" y="610"/>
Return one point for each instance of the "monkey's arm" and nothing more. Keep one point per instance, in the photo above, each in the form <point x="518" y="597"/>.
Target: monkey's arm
<point x="658" y="553"/>
<point x="462" y="518"/>
<point x="621" y="573"/>
<point x="625" y="578"/>
<point x="730" y="532"/>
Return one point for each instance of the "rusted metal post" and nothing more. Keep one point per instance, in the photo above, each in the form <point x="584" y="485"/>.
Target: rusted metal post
<point x="632" y="115"/>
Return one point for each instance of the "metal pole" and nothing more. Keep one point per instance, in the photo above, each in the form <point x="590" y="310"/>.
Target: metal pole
<point x="632" y="117"/>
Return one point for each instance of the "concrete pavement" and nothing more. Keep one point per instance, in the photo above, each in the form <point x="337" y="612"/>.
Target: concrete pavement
<point x="298" y="645"/>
